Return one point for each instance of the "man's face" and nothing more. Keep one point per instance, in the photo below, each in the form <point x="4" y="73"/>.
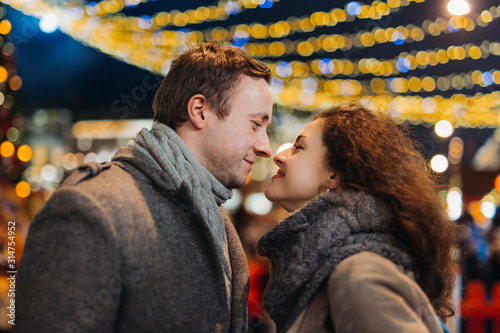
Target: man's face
<point x="235" y="141"/>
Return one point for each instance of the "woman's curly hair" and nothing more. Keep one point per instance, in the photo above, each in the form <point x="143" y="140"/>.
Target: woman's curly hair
<point x="372" y="154"/>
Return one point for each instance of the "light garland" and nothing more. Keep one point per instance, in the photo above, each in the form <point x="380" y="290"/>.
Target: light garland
<point x="116" y="35"/>
<point x="374" y="11"/>
<point x="359" y="40"/>
<point x="152" y="50"/>
<point x="398" y="85"/>
<point x="220" y="12"/>
<point x="480" y="110"/>
<point x="404" y="62"/>
<point x="138" y="47"/>
<point x="134" y="40"/>
<point x="454" y="81"/>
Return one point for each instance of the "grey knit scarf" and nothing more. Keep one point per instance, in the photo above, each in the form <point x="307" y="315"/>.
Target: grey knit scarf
<point x="306" y="247"/>
<point x="171" y="155"/>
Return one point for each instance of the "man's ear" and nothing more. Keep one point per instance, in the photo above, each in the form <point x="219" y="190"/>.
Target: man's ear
<point x="198" y="109"/>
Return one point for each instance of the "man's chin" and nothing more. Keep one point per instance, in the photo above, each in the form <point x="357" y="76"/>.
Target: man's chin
<point x="236" y="183"/>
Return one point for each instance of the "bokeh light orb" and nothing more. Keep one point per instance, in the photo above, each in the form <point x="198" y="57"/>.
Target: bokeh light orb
<point x="458" y="7"/>
<point x="439" y="163"/>
<point x="283" y="147"/>
<point x="257" y="203"/>
<point x="353" y="8"/>
<point x="488" y="209"/>
<point x="25" y="153"/>
<point x="234" y="203"/>
<point x="49" y="23"/>
<point x="284" y="69"/>
<point x="443" y="128"/>
<point x="7" y="149"/>
<point x="23" y="189"/>
<point x="454" y="200"/>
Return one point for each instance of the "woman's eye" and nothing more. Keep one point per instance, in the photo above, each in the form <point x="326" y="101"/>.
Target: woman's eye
<point x="256" y="124"/>
<point x="298" y="147"/>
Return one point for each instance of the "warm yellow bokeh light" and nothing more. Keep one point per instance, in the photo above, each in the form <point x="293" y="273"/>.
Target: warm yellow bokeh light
<point x="496" y="77"/>
<point x="258" y="31"/>
<point x="415" y="84"/>
<point x="486" y="16"/>
<point x="305" y="49"/>
<point x="3" y="74"/>
<point x="442" y="56"/>
<point x="497" y="183"/>
<point x="428" y="84"/>
<point x="7" y="149"/>
<point x="5" y="27"/>
<point x="24" y="153"/>
<point x="475" y="211"/>
<point x="377" y="85"/>
<point x="475" y="52"/>
<point x="23" y="189"/>
<point x="15" y="83"/>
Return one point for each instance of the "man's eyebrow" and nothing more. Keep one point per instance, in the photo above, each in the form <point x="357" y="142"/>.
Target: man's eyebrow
<point x="264" y="116"/>
<point x="261" y="115"/>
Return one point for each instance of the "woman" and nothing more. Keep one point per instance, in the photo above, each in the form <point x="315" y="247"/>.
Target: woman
<point x="368" y="244"/>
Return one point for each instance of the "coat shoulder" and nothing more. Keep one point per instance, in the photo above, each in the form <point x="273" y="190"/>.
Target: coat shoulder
<point x="366" y="291"/>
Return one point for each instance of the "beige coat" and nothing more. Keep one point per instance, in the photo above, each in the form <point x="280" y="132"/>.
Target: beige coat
<point x="368" y="293"/>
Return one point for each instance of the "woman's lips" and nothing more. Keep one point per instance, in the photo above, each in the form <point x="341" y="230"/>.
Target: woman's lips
<point x="280" y="174"/>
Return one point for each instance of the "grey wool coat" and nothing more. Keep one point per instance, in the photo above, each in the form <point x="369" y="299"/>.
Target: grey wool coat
<point x="117" y="249"/>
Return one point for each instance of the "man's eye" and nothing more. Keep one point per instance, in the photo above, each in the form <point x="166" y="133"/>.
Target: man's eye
<point x="256" y="124"/>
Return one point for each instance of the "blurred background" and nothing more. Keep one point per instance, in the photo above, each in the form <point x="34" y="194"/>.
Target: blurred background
<point x="77" y="80"/>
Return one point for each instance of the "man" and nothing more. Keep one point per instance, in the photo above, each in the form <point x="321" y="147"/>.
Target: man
<point x="140" y="244"/>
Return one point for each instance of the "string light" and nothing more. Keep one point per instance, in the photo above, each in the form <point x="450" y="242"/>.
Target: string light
<point x="302" y="85"/>
<point x="149" y="50"/>
<point x="454" y="81"/>
<point x="280" y="29"/>
<point x="362" y="39"/>
<point x="475" y="111"/>
<point x="417" y="59"/>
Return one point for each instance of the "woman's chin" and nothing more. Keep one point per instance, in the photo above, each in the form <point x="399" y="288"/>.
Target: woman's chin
<point x="268" y="192"/>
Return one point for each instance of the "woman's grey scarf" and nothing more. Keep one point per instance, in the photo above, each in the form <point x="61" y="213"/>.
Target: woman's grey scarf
<point x="171" y="155"/>
<point x="306" y="247"/>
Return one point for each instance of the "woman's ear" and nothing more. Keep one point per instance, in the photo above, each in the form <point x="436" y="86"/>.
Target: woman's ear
<point x="197" y="108"/>
<point x="334" y="182"/>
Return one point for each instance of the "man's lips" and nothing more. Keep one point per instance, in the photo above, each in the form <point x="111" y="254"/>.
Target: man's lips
<point x="248" y="161"/>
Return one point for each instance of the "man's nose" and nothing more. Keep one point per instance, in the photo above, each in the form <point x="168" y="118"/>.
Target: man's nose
<point x="263" y="147"/>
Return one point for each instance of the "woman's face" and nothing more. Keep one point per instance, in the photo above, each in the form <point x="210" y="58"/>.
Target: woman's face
<point x="303" y="173"/>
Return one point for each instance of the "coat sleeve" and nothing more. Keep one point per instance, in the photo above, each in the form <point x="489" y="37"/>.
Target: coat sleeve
<point x="368" y="293"/>
<point x="69" y="278"/>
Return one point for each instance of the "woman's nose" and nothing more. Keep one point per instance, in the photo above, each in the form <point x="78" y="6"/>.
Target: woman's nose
<point x="280" y="158"/>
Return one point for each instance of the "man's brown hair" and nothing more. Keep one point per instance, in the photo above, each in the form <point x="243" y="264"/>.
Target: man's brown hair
<point x="206" y="69"/>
